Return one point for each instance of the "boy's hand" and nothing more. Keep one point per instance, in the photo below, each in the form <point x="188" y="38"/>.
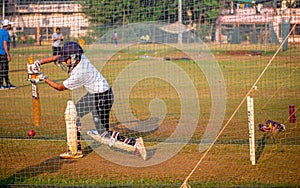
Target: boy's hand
<point x="33" y="68"/>
<point x="41" y="77"/>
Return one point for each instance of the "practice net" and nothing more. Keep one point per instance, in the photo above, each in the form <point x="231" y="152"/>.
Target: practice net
<point x="180" y="73"/>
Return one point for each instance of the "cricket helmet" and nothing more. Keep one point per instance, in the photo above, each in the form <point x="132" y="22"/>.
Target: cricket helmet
<point x="68" y="49"/>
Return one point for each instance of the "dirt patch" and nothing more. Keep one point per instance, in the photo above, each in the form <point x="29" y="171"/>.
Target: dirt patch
<point x="225" y="165"/>
<point x="243" y="52"/>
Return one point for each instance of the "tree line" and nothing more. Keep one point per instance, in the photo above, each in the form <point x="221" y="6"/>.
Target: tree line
<point x="109" y="13"/>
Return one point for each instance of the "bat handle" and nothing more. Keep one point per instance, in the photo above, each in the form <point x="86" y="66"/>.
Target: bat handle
<point x="31" y="61"/>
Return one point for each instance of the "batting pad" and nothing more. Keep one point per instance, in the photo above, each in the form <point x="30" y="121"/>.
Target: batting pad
<point x="70" y="118"/>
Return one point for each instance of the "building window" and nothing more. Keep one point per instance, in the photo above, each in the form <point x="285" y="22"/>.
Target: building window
<point x="297" y="30"/>
<point x="83" y="28"/>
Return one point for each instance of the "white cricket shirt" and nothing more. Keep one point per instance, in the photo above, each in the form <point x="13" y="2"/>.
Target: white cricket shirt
<point x="86" y="75"/>
<point x="56" y="43"/>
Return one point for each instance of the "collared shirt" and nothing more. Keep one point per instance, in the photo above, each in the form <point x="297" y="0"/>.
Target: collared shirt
<point x="86" y="75"/>
<point x="4" y="36"/>
<point x="56" y="43"/>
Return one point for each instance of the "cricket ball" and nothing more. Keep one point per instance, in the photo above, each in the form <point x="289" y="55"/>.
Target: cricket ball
<point x="31" y="133"/>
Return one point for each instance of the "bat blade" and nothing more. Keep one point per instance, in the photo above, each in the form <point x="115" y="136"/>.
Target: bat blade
<point x="36" y="105"/>
<point x="35" y="100"/>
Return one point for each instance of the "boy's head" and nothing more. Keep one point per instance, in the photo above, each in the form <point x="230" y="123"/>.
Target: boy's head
<point x="70" y="54"/>
<point x="57" y="30"/>
<point x="7" y="24"/>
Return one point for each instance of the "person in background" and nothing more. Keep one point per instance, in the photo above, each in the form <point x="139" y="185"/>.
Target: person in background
<point x="57" y="39"/>
<point x="24" y="39"/>
<point x="116" y="38"/>
<point x="40" y="39"/>
<point x="14" y="40"/>
<point x="5" y="57"/>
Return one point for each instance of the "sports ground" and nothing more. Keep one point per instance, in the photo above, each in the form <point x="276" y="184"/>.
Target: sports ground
<point x="35" y="161"/>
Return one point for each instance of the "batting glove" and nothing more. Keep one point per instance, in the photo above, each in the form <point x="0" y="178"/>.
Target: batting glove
<point x="34" y="81"/>
<point x="33" y="68"/>
<point x="41" y="76"/>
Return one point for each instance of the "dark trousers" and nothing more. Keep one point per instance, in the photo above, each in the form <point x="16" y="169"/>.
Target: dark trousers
<point x="100" y="105"/>
<point x="4" y="68"/>
<point x="56" y="50"/>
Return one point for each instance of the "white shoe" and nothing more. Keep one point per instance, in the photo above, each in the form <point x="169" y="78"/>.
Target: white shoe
<point x="93" y="131"/>
<point x="139" y="145"/>
<point x="68" y="155"/>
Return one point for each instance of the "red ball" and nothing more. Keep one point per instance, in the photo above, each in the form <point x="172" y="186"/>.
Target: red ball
<point x="31" y="133"/>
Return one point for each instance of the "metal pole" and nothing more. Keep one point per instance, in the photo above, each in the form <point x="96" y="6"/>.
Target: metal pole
<point x="3" y="9"/>
<point x="266" y="11"/>
<point x="180" y="21"/>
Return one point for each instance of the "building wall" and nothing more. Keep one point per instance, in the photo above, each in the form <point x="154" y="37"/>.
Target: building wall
<point x="64" y="15"/>
<point x="266" y="16"/>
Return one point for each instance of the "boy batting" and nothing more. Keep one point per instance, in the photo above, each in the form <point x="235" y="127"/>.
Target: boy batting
<point x="98" y="99"/>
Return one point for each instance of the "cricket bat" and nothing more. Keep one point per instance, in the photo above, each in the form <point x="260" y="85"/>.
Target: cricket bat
<point x="35" y="99"/>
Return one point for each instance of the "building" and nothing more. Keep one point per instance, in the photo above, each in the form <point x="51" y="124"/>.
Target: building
<point x="35" y="18"/>
<point x="257" y="22"/>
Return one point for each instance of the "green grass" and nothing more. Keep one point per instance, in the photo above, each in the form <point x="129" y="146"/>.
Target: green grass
<point x="227" y="165"/>
<point x="35" y="161"/>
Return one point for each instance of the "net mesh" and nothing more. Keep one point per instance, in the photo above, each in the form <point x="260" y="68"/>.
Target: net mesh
<point x="179" y="71"/>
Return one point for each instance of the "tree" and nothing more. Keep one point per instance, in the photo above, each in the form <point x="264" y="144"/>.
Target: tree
<point x="212" y="9"/>
<point x="108" y="13"/>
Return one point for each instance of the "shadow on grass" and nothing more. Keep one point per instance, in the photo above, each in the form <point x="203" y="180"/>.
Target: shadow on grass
<point x="51" y="165"/>
<point x="261" y="145"/>
<point x="139" y="128"/>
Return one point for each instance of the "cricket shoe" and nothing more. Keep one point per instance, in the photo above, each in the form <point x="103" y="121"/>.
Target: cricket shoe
<point x="139" y="145"/>
<point x="68" y="155"/>
<point x="2" y="87"/>
<point x="93" y="131"/>
<point x="10" y="86"/>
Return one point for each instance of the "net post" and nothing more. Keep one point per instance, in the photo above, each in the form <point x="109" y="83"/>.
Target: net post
<point x="250" y="110"/>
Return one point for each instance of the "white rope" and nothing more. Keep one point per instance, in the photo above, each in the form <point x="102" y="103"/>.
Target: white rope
<point x="185" y="184"/>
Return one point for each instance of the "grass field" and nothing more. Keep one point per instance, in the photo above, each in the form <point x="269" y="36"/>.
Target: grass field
<point x="35" y="161"/>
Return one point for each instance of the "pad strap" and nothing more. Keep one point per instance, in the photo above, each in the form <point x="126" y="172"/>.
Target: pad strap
<point x="113" y="138"/>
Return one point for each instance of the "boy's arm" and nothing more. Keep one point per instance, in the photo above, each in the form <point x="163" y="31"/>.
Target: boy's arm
<point x="35" y="67"/>
<point x="48" y="60"/>
<point x="54" y="37"/>
<point x="59" y="87"/>
<point x="5" y="45"/>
